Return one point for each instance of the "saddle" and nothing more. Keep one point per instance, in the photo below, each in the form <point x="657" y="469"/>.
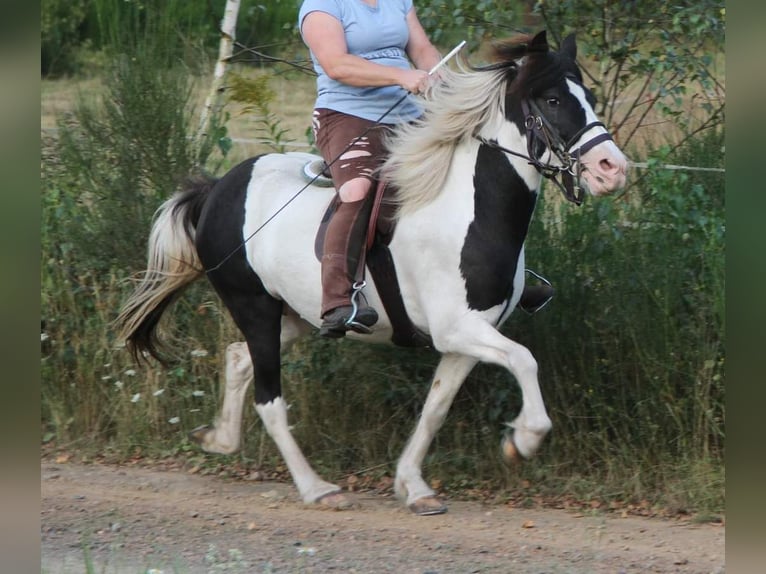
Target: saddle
<point x="380" y="262"/>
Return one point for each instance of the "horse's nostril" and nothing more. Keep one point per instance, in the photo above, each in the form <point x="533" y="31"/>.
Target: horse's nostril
<point x="607" y="166"/>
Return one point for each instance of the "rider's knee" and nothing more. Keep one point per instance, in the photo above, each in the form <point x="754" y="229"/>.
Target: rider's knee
<point x="355" y="189"/>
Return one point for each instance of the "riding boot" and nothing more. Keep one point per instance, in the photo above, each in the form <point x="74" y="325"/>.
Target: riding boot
<point x="535" y="297"/>
<point x="343" y="262"/>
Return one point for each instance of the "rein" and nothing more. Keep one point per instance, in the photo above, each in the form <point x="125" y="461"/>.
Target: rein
<point x="539" y="128"/>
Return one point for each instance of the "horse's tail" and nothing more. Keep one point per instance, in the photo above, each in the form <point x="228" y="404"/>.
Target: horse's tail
<point x="173" y="263"/>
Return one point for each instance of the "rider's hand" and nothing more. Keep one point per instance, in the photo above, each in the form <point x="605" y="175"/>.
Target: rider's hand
<point x="414" y="81"/>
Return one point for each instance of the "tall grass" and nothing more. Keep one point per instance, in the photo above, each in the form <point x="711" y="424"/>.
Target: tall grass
<point x="116" y="158"/>
<point x="632" y="351"/>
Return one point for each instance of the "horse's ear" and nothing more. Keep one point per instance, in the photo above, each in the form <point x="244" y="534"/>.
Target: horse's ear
<point x="569" y="47"/>
<point x="539" y="43"/>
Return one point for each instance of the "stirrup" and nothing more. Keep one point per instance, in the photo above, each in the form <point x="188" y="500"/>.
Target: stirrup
<point x="314" y="172"/>
<point x="351" y="322"/>
<point x="530" y="308"/>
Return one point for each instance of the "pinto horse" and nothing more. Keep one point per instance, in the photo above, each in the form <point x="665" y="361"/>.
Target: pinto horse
<point x="466" y="175"/>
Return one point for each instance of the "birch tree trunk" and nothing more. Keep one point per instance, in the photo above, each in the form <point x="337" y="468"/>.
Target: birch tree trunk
<point x="225" y="50"/>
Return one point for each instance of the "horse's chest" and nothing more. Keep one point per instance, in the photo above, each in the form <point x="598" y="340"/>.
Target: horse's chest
<point x="503" y="206"/>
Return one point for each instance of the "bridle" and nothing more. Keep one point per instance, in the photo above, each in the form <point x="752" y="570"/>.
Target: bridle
<point x="538" y="128"/>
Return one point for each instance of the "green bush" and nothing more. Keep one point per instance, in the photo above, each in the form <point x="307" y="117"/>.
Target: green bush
<point x="115" y="159"/>
<point x="61" y="22"/>
<point x="74" y="31"/>
<point x="631" y="350"/>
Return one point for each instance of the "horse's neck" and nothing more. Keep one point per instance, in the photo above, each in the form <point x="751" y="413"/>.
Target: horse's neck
<point x="509" y="136"/>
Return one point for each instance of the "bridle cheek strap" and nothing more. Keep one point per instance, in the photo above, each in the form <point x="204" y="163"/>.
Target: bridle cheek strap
<point x="538" y="127"/>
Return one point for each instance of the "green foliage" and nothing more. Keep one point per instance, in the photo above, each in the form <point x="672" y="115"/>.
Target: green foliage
<point x="271" y="25"/>
<point x="72" y="31"/>
<point x="450" y="21"/>
<point x="668" y="56"/>
<point x="116" y="158"/>
<point x="631" y="351"/>
<point x="60" y="37"/>
<point x="257" y="97"/>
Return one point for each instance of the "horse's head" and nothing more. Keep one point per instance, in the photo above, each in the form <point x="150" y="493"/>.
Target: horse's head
<point x="548" y="101"/>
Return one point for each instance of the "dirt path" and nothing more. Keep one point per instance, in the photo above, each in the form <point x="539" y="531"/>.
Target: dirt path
<point x="135" y="520"/>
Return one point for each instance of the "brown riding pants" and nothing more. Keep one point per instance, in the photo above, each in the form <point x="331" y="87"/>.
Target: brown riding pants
<point x="350" y="156"/>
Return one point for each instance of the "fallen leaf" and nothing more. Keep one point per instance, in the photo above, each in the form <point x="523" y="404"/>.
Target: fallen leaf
<point x="63" y="458"/>
<point x="528" y="524"/>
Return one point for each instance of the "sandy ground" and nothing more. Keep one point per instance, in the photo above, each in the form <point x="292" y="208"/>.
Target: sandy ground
<point x="135" y="520"/>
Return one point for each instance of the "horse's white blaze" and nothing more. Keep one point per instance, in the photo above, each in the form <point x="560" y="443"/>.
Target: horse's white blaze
<point x="309" y="485"/>
<point x="605" y="164"/>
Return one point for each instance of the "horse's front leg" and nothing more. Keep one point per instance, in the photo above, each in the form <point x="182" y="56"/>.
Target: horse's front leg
<point x="476" y="337"/>
<point x="449" y="376"/>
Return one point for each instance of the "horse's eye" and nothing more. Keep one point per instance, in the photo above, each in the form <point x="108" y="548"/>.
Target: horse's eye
<point x="553" y="102"/>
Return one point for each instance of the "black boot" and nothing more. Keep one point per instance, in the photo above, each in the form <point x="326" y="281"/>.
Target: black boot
<point x="535" y="297"/>
<point x="339" y="320"/>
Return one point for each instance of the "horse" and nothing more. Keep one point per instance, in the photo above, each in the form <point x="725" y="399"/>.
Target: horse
<point x="467" y="176"/>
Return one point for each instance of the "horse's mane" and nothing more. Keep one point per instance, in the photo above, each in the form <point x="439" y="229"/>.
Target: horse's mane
<point x="456" y="108"/>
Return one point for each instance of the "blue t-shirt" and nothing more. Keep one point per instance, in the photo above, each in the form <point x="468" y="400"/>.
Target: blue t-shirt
<point x="378" y="34"/>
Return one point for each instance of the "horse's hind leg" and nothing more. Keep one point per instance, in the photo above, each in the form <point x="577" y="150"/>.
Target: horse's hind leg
<point x="225" y="435"/>
<point x="263" y="340"/>
<point x="449" y="376"/>
<point x="260" y="318"/>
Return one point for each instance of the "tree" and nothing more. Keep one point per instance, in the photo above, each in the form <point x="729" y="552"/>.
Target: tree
<point x="647" y="62"/>
<point x="647" y="58"/>
<point x="225" y="50"/>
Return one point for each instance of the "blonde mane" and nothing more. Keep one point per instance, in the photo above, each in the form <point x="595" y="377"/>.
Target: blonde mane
<point x="455" y="109"/>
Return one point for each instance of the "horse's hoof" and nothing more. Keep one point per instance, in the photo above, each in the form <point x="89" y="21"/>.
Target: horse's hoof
<point x="427" y="506"/>
<point x="334" y="501"/>
<point x="197" y="435"/>
<point x="511" y="454"/>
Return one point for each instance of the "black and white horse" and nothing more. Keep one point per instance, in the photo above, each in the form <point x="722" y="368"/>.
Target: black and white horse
<point x="467" y="177"/>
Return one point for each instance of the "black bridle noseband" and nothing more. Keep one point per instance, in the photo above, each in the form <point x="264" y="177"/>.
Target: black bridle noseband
<point x="538" y="128"/>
